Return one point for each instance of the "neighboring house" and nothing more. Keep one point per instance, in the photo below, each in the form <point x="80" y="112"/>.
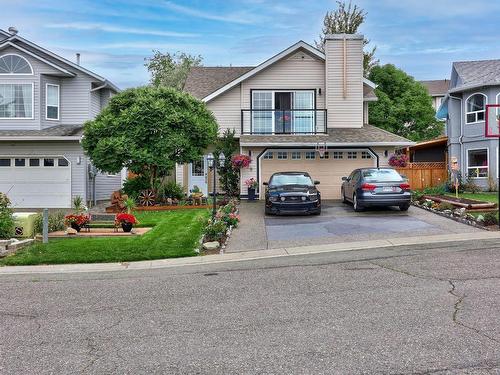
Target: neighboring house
<point x="437" y="89"/>
<point x="473" y="85"/>
<point x="44" y="101"/>
<point x="286" y="108"/>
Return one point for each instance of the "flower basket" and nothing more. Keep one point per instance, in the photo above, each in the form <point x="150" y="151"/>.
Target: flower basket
<point x="241" y="161"/>
<point x="251" y="184"/>
<point x="76" y="221"/>
<point x="126" y="221"/>
<point x="398" y="160"/>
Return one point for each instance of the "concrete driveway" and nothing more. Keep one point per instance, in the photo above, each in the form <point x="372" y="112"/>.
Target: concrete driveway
<point x="337" y="223"/>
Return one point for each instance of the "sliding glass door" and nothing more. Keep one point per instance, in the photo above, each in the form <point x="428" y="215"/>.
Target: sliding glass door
<point x="303" y="120"/>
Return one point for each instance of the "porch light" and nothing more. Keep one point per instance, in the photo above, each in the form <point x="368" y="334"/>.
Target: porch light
<point x="222" y="159"/>
<point x="210" y="160"/>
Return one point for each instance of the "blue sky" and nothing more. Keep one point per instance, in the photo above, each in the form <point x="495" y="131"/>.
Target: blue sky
<point x="422" y="37"/>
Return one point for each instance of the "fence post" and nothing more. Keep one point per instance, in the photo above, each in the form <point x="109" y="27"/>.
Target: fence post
<point x="45" y="225"/>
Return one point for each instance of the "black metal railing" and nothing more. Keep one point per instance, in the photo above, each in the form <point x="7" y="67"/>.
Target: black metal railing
<point x="289" y="121"/>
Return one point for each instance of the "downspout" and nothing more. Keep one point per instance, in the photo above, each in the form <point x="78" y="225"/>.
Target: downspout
<point x="461" y="138"/>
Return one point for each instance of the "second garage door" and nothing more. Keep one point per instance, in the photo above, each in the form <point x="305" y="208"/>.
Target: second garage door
<point x="36" y="182"/>
<point x="329" y="170"/>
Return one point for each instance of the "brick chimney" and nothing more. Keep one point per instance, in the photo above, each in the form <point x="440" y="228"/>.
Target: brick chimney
<point x="344" y="80"/>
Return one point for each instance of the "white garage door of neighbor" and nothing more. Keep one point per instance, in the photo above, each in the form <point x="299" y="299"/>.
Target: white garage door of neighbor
<point x="328" y="170"/>
<point x="36" y="182"/>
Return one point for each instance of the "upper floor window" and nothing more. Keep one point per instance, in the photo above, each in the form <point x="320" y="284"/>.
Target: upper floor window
<point x="475" y="108"/>
<point x="16" y="100"/>
<point x="14" y="64"/>
<point x="52" y="99"/>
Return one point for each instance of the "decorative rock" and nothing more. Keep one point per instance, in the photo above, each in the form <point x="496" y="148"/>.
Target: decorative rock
<point x="211" y="245"/>
<point x="480" y="218"/>
<point x="71" y="231"/>
<point x="4" y="244"/>
<point x="169" y="201"/>
<point x="19" y="244"/>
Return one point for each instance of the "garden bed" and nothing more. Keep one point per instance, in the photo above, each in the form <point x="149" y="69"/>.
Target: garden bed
<point x="100" y="232"/>
<point x="470" y="204"/>
<point x="171" y="207"/>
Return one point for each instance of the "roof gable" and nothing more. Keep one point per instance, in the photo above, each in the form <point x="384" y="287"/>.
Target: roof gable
<point x="436" y="87"/>
<point x="202" y="81"/>
<point x="473" y="74"/>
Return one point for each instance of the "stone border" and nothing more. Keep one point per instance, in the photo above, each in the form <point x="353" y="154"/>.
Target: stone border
<point x="459" y="215"/>
<point x="8" y="247"/>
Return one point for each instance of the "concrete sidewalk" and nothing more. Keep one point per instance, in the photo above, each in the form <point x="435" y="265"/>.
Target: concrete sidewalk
<point x="247" y="255"/>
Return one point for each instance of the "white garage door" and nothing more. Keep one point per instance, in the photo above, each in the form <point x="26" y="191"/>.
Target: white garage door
<point x="329" y="170"/>
<point x="36" y="182"/>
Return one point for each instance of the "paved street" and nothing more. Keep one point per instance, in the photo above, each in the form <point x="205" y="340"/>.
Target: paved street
<point x="337" y="223"/>
<point x="417" y="309"/>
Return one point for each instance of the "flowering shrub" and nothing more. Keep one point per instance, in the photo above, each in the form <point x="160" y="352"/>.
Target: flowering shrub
<point x="241" y="161"/>
<point x="78" y="219"/>
<point x="398" y="160"/>
<point x="125" y="218"/>
<point x="251" y="183"/>
<point x="216" y="228"/>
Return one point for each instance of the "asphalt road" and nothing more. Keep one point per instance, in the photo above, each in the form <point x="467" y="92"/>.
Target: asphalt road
<point x="416" y="309"/>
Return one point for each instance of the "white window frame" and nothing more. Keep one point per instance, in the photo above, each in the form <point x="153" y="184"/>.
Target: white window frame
<point x="311" y="153"/>
<point x="18" y="74"/>
<point x="296" y="153"/>
<point x="272" y="110"/>
<point x="58" y="102"/>
<point x="338" y="155"/>
<point x="269" y="155"/>
<point x="32" y="100"/>
<point x="475" y="112"/>
<point x="282" y="153"/>
<point x="479" y="167"/>
<point x="352" y="155"/>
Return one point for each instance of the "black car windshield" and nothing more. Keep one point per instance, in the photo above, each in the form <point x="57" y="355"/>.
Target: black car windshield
<point x="381" y="175"/>
<point x="291" y="179"/>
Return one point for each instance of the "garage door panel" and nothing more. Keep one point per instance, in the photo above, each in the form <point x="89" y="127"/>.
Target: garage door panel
<point x="328" y="171"/>
<point x="37" y="187"/>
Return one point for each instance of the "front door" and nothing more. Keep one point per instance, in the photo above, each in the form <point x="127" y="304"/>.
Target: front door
<point x="198" y="175"/>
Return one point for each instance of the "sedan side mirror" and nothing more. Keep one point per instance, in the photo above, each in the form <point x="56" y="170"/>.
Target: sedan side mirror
<point x="316" y="182"/>
<point x="344" y="178"/>
<point x="265" y="183"/>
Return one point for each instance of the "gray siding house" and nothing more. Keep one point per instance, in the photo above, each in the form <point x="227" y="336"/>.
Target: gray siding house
<point x="44" y="101"/>
<point x="473" y="85"/>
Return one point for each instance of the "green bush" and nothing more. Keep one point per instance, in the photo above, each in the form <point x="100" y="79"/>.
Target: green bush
<point x="133" y="186"/>
<point x="170" y="189"/>
<point x="443" y="206"/>
<point x="490" y="218"/>
<point x="6" y="218"/>
<point x="215" y="230"/>
<point x="471" y="187"/>
<point x="56" y="222"/>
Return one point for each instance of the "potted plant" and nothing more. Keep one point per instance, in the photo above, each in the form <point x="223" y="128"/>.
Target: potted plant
<point x="251" y="184"/>
<point x="196" y="195"/>
<point x="127" y="221"/>
<point x="76" y="221"/>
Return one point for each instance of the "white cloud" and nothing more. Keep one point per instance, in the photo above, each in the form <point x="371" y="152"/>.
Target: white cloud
<point x="118" y="29"/>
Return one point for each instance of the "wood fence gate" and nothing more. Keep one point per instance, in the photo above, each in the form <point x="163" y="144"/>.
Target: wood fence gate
<point x="425" y="174"/>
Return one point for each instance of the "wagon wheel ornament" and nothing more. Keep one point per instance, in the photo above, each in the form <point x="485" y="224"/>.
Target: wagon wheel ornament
<point x="147" y="198"/>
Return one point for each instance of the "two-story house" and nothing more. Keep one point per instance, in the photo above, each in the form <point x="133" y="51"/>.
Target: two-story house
<point x="437" y="89"/>
<point x="473" y="85"/>
<point x="291" y="107"/>
<point x="44" y="101"/>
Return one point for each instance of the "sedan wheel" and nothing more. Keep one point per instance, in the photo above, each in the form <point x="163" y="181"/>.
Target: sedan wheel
<point x="355" y="204"/>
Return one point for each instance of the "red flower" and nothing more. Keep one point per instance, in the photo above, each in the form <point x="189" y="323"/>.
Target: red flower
<point x="241" y="161"/>
<point x="76" y="219"/>
<point x="398" y="160"/>
<point x="125" y="218"/>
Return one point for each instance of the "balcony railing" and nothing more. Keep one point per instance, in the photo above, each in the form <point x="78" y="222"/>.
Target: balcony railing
<point x="290" y="121"/>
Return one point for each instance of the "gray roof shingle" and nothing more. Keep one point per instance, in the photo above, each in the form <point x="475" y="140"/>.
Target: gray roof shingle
<point x="368" y="134"/>
<point x="476" y="73"/>
<point x="54" y="131"/>
<point x="436" y="87"/>
<point x="203" y="80"/>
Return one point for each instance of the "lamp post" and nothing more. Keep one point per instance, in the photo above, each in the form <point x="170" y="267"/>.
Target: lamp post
<point x="212" y="165"/>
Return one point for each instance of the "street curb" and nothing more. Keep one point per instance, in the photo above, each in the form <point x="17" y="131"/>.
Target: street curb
<point x="245" y="256"/>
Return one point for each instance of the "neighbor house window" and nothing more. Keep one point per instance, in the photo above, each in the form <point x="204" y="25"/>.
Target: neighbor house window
<point x="14" y="64"/>
<point x="477" y="163"/>
<point x="296" y="155"/>
<point x="16" y="100"/>
<point x="52" y="99"/>
<point x="4" y="162"/>
<point x="48" y="162"/>
<point x="62" y="162"/>
<point x="20" y="162"/>
<point x="282" y="155"/>
<point x="338" y="155"/>
<point x="352" y="155"/>
<point x="34" y="162"/>
<point x="311" y="155"/>
<point x="268" y="155"/>
<point x="475" y="108"/>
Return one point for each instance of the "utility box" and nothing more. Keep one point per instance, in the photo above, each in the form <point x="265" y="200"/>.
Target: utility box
<point x="24" y="223"/>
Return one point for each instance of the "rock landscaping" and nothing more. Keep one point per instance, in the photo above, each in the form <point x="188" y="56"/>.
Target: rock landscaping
<point x="10" y="246"/>
<point x="218" y="229"/>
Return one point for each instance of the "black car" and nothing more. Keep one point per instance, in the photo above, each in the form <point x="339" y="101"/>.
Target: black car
<point x="367" y="187"/>
<point x="292" y="193"/>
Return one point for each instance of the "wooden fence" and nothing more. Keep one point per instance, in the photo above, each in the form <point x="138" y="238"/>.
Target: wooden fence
<point x="425" y="174"/>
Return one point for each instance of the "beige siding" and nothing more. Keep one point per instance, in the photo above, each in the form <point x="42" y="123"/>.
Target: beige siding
<point x="344" y="111"/>
<point x="226" y="109"/>
<point x="299" y="71"/>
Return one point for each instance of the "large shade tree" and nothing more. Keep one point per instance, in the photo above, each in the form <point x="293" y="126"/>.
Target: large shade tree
<point x="171" y="69"/>
<point x="404" y="107"/>
<point x="148" y="130"/>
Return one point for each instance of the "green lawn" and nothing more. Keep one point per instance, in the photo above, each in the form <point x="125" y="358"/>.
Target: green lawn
<point x="174" y="234"/>
<point x="487" y="197"/>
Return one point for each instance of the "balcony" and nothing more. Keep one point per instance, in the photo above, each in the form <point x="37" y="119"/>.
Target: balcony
<point x="290" y="121"/>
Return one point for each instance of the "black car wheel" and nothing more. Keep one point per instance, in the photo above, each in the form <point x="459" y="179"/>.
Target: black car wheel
<point x="357" y="207"/>
<point x="404" y="207"/>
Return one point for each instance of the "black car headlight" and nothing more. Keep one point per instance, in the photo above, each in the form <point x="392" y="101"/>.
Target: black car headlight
<point x="313" y="196"/>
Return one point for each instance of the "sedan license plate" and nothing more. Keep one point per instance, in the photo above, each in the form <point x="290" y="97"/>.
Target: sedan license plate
<point x="389" y="189"/>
